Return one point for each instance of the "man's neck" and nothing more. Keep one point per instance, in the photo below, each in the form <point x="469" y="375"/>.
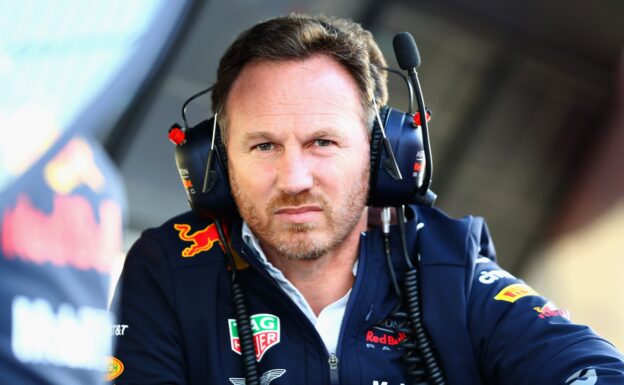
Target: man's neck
<point x="326" y="279"/>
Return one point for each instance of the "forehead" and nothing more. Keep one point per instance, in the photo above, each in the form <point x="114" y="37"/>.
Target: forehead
<point x="317" y="86"/>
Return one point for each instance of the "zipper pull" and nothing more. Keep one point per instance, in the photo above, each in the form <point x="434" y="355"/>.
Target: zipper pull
<point x="333" y="369"/>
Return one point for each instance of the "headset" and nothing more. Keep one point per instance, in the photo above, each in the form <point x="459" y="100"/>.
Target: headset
<point x="400" y="154"/>
<point x="401" y="173"/>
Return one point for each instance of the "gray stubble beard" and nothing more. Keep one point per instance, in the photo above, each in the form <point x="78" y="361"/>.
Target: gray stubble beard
<point x="304" y="249"/>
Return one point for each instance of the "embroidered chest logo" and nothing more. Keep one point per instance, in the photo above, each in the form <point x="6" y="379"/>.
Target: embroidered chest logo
<point x="385" y="335"/>
<point x="266" y="378"/>
<point x="202" y="240"/>
<point x="266" y="333"/>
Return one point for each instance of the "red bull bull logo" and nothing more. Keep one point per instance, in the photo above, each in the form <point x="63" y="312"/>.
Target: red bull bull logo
<point x="202" y="240"/>
<point x="551" y="310"/>
<point x="73" y="167"/>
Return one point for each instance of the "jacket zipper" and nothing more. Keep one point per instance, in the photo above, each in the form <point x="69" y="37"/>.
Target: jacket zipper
<point x="298" y="311"/>
<point x="333" y="369"/>
<point x="332" y="360"/>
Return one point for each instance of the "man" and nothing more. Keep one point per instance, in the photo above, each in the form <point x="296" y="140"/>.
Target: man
<point x="296" y="98"/>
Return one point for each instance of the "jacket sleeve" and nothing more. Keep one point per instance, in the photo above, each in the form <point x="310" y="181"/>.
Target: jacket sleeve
<point x="148" y="335"/>
<point x="520" y="337"/>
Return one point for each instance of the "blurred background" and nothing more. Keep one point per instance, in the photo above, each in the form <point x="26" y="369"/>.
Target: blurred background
<point x="527" y="128"/>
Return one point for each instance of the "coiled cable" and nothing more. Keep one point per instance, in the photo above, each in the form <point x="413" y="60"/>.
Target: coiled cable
<point x="420" y="355"/>
<point x="245" y="334"/>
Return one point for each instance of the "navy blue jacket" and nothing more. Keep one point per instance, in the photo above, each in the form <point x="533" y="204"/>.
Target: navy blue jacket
<point x="175" y="309"/>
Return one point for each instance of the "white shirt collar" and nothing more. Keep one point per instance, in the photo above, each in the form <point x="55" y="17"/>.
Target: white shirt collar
<point x="330" y="318"/>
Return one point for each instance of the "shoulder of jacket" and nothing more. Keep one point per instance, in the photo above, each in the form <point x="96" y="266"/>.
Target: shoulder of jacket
<point x="446" y="240"/>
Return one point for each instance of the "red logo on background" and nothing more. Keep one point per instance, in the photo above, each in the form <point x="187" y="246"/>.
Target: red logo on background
<point x="72" y="167"/>
<point x="202" y="240"/>
<point x="68" y="235"/>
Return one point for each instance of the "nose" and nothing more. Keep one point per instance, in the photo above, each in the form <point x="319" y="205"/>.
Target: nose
<point x="294" y="172"/>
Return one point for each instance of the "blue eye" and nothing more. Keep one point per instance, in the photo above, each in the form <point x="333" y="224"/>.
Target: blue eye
<point x="264" y="147"/>
<point x="322" y="142"/>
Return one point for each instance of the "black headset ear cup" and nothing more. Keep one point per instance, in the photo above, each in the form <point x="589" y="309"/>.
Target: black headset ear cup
<point x="376" y="147"/>
<point x="198" y="165"/>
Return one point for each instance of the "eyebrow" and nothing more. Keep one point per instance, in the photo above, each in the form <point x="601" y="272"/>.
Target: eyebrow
<point x="324" y="132"/>
<point x="269" y="136"/>
<point x="255" y="135"/>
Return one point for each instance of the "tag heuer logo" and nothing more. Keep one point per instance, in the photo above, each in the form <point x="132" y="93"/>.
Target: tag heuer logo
<point x="266" y="333"/>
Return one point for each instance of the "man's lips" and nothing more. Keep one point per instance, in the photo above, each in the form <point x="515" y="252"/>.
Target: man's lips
<point x="297" y="210"/>
<point x="299" y="214"/>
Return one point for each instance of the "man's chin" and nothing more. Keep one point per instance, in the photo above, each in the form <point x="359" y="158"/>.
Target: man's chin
<point x="298" y="228"/>
<point x="301" y="245"/>
<point x="302" y="252"/>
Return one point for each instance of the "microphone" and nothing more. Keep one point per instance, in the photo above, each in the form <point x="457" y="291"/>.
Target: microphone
<point x="408" y="59"/>
<point x="406" y="51"/>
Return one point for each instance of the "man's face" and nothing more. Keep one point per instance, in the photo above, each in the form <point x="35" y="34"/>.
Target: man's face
<point x="298" y="154"/>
